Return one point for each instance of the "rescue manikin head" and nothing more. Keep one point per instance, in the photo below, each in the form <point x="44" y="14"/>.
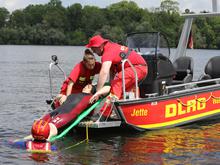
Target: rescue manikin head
<point x="40" y="130"/>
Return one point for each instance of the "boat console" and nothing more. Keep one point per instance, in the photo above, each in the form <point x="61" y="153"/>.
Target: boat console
<point x="154" y="48"/>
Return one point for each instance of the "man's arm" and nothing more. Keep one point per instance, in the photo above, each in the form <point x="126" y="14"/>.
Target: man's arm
<point x="68" y="92"/>
<point x="102" y="92"/>
<point x="69" y="87"/>
<point x="104" y="73"/>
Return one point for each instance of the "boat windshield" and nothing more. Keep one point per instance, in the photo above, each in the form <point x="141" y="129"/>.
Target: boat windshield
<point x="148" y="43"/>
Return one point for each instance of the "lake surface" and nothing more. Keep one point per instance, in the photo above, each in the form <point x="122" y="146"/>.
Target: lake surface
<point x="24" y="87"/>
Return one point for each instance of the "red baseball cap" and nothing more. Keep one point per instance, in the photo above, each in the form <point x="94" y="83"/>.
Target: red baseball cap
<point x="40" y="130"/>
<point x="96" y="41"/>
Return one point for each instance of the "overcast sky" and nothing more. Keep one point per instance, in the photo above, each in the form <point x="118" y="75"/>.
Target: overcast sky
<point x="194" y="5"/>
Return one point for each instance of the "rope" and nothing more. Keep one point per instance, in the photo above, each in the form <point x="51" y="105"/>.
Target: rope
<point x="214" y="97"/>
<point x="85" y="140"/>
<point x="186" y="105"/>
<point x="87" y="133"/>
<point x="201" y="101"/>
<point x="75" y="145"/>
<point x="206" y="100"/>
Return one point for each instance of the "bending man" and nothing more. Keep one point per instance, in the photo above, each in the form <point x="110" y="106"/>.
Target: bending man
<point x="112" y="54"/>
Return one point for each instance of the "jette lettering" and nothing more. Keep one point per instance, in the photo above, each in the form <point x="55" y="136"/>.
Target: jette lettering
<point x="139" y="112"/>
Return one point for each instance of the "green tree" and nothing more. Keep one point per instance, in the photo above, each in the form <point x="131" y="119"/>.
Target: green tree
<point x="9" y="36"/>
<point x="4" y="15"/>
<point x="34" y="14"/>
<point x="74" y="16"/>
<point x="214" y="22"/>
<point x="55" y="3"/>
<point x="17" y="19"/>
<point x="126" y="15"/>
<point x="55" y="37"/>
<point x="77" y="37"/>
<point x="206" y="32"/>
<point x="54" y="24"/>
<point x="145" y="22"/>
<point x="168" y="24"/>
<point x="55" y="16"/>
<point x="115" y="33"/>
<point x="93" y="18"/>
<point x="169" y="6"/>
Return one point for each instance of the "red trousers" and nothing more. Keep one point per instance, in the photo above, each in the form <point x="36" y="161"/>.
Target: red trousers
<point x="116" y="85"/>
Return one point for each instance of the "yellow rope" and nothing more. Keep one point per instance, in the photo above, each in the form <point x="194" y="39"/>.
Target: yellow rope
<point x="75" y="145"/>
<point x="85" y="140"/>
<point x="186" y="105"/>
<point x="206" y="100"/>
<point x="87" y="133"/>
<point x="211" y="96"/>
<point x="214" y="97"/>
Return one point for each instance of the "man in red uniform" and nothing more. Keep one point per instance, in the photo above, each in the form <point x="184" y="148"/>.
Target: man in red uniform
<point x="81" y="75"/>
<point x="112" y="54"/>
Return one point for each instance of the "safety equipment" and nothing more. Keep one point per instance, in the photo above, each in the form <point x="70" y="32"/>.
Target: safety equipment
<point x="40" y="130"/>
<point x="96" y="41"/>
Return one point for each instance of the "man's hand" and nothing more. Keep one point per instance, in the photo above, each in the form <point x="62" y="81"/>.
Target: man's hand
<point x="62" y="99"/>
<point x="94" y="98"/>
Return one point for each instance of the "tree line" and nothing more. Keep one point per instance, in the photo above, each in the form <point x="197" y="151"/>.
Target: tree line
<point x="54" y="24"/>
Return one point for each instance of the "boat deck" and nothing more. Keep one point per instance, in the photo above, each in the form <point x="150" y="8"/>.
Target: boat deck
<point x="98" y="124"/>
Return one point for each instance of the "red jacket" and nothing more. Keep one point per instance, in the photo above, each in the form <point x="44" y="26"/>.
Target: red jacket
<point x="112" y="53"/>
<point x="81" y="76"/>
<point x="38" y="146"/>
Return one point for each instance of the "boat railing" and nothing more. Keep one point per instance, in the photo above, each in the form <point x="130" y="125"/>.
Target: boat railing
<point x="214" y="14"/>
<point x="54" y="63"/>
<point x="192" y="86"/>
<point x="124" y="61"/>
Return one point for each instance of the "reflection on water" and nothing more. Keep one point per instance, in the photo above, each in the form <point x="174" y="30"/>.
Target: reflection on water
<point x="25" y="87"/>
<point x="196" y="144"/>
<point x="175" y="146"/>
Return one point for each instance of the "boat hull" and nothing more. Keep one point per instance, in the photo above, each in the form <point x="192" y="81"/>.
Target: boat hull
<point x="166" y="112"/>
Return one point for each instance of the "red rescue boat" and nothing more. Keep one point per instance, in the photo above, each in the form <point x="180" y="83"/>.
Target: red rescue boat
<point x="169" y="96"/>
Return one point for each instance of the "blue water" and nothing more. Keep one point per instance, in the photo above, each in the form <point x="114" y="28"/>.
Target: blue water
<point x="25" y="87"/>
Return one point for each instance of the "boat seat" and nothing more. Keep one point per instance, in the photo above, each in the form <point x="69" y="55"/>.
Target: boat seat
<point x="211" y="71"/>
<point x="184" y="70"/>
